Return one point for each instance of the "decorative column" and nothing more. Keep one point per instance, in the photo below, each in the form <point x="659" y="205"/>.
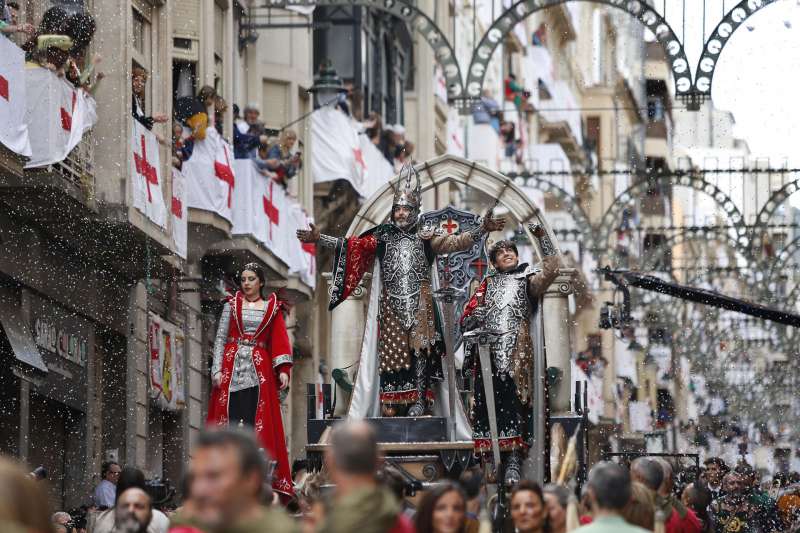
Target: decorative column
<point x="347" y="334"/>
<point x="557" y="338"/>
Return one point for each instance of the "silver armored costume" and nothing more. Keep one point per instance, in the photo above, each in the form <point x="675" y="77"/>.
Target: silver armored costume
<point x="244" y="371"/>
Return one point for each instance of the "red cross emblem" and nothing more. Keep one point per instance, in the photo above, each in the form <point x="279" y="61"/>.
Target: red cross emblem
<point x="225" y="173"/>
<point x="479" y="264"/>
<point x="145" y="169"/>
<point x="272" y="212"/>
<point x="177" y="207"/>
<point x="4" y="89"/>
<point x="66" y="116"/>
<point x="450" y="226"/>
<point x="358" y="155"/>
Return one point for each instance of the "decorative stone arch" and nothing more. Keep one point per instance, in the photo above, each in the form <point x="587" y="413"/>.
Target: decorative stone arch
<point x="652" y="20"/>
<point x="614" y="211"/>
<point x="712" y="49"/>
<point x="415" y="18"/>
<point x="449" y="169"/>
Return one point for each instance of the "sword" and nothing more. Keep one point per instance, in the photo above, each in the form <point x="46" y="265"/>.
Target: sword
<point x="446" y="298"/>
<point x="484" y="339"/>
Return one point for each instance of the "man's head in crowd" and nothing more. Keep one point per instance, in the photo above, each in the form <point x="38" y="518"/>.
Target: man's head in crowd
<point x="666" y="485"/>
<point x="648" y="472"/>
<point x="228" y="472"/>
<point x="251" y="114"/>
<point x="110" y="471"/>
<point x="353" y="456"/>
<point x="134" y="511"/>
<point x="609" y="487"/>
<point x="734" y="484"/>
<point x="715" y="470"/>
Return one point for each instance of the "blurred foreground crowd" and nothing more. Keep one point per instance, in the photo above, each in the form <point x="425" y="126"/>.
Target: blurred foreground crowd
<point x="228" y="490"/>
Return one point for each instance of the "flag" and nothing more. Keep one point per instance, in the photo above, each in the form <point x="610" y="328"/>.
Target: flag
<point x="337" y="153"/>
<point x="146" y="175"/>
<point x="378" y="169"/>
<point x="210" y="176"/>
<point x="57" y="115"/>
<point x="180" y="213"/>
<point x="13" y="128"/>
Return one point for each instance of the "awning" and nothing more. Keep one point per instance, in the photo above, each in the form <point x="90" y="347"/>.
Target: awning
<point x="20" y="338"/>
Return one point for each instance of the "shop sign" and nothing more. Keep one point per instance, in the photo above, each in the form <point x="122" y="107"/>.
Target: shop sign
<point x="67" y="345"/>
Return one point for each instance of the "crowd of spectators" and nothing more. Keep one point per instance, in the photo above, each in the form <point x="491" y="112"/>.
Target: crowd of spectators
<point x="228" y="489"/>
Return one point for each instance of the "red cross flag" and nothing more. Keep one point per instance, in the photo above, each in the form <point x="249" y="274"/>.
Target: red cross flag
<point x="13" y="128"/>
<point x="146" y="175"/>
<point x="180" y="226"/>
<point x="57" y="114"/>
<point x="272" y="211"/>
<point x="337" y="154"/>
<point x="212" y="184"/>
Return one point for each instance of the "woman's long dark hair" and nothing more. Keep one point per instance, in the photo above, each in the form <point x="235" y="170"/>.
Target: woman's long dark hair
<point x="424" y="516"/>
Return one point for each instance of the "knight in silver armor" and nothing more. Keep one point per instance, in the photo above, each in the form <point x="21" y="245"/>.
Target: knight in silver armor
<point x="410" y="342"/>
<point x="502" y="307"/>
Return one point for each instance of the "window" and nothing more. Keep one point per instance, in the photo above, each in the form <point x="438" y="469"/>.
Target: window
<point x="142" y="35"/>
<point x="138" y="31"/>
<point x="655" y="109"/>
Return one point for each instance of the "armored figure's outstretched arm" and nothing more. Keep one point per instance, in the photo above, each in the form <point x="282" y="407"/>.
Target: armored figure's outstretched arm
<point x="550" y="262"/>
<point x="446" y="244"/>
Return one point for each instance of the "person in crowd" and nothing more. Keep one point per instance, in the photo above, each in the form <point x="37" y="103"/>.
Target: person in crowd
<point x="681" y="519"/>
<point x="80" y="28"/>
<point x="474" y="487"/>
<point x="129" y="477"/>
<point x="488" y="112"/>
<point x="245" y="143"/>
<point x="697" y="497"/>
<point x="49" y="45"/>
<point x="228" y="486"/>
<point x="194" y="112"/>
<point x="388" y="142"/>
<point x="181" y="146"/>
<point x="134" y="512"/>
<point x="641" y="510"/>
<point x="715" y="470"/>
<point x="359" y="503"/>
<point x="62" y="520"/>
<point x="139" y="77"/>
<point x="609" y="491"/>
<point x="24" y="507"/>
<point x="404" y="153"/>
<point x="373" y="128"/>
<point x="737" y="510"/>
<point x="264" y="163"/>
<point x="105" y="492"/>
<point x="252" y="116"/>
<point x="442" y="510"/>
<point x="527" y="508"/>
<point x="9" y="20"/>
<point x="220" y="108"/>
<point x="310" y="502"/>
<point x="280" y="158"/>
<point x="556" y="498"/>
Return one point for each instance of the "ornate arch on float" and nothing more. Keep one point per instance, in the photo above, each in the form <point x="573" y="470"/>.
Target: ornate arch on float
<point x="416" y="19"/>
<point x="725" y="202"/>
<point x="554" y="323"/>
<point x="719" y="38"/>
<point x="519" y="11"/>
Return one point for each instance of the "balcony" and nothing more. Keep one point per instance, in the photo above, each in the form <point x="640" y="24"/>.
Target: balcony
<point x="561" y="121"/>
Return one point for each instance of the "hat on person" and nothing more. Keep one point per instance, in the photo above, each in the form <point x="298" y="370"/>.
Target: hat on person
<point x="252" y="106"/>
<point x="398" y="129"/>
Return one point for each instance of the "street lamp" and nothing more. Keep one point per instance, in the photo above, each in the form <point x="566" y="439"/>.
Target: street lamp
<point x="327" y="85"/>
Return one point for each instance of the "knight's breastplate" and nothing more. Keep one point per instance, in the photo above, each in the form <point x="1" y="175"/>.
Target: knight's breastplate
<point x="403" y="269"/>
<point x="506" y="303"/>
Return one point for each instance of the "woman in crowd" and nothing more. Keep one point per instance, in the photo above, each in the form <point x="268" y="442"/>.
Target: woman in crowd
<point x="528" y="511"/>
<point x="442" y="510"/>
<point x="281" y="159"/>
<point x="640" y="511"/>
<point x="138" y="83"/>
<point x="556" y="498"/>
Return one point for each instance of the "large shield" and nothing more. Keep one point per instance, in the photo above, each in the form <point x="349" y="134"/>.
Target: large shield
<point x="459" y="269"/>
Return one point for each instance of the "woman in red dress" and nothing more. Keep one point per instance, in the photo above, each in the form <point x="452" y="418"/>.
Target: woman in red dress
<point x="252" y="361"/>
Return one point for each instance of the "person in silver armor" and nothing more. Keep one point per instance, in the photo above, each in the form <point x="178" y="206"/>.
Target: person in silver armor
<point x="410" y="342"/>
<point x="502" y="306"/>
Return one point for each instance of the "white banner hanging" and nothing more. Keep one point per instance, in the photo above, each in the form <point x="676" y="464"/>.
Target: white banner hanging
<point x="146" y="175"/>
<point x="210" y="176"/>
<point x="13" y="128"/>
<point x="180" y="213"/>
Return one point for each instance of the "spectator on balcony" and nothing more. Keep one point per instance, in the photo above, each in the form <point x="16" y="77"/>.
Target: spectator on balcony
<point x="515" y="92"/>
<point x="262" y="161"/>
<point x="508" y="131"/>
<point x="49" y="45"/>
<point x="220" y="108"/>
<point x="281" y="160"/>
<point x="373" y="128"/>
<point x="194" y="112"/>
<point x="392" y="137"/>
<point x="247" y="135"/>
<point x="487" y="112"/>
<point x="81" y="28"/>
<point x="182" y="146"/>
<point x="403" y="154"/>
<point x="9" y="22"/>
<point x="138" y="82"/>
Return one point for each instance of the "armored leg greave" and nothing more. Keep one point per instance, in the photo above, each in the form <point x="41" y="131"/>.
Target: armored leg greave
<point x="423" y="382"/>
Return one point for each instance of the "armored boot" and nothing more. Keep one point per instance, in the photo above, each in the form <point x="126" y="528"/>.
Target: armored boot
<point x="513" y="468"/>
<point x="419" y="407"/>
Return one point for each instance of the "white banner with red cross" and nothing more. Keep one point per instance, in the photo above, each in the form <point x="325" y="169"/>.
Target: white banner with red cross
<point x="336" y="153"/>
<point x="210" y="176"/>
<point x="57" y="114"/>
<point x="13" y="128"/>
<point x="146" y="175"/>
<point x="180" y="213"/>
